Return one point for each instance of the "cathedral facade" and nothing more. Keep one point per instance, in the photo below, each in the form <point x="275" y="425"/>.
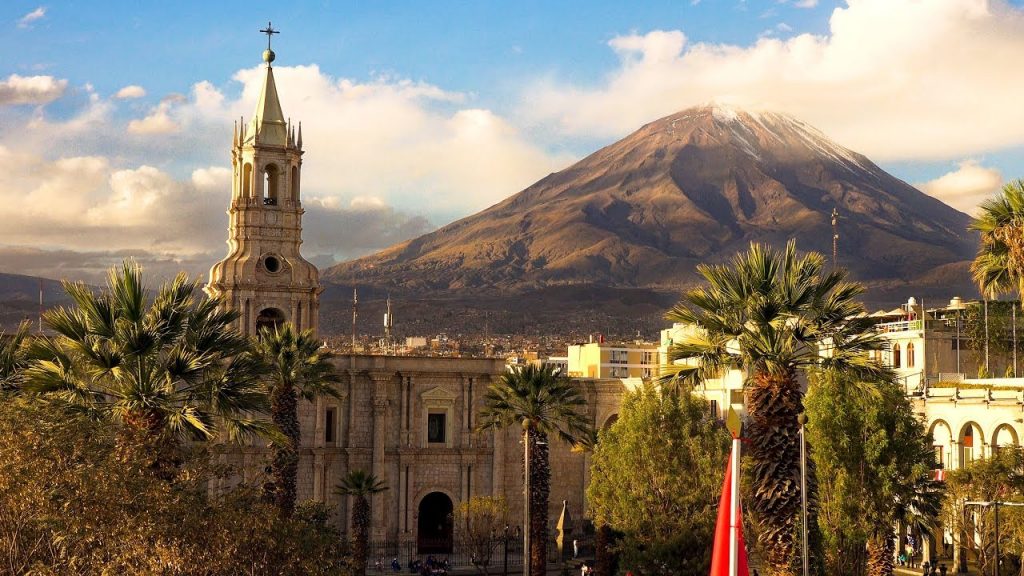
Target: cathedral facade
<point x="409" y="420"/>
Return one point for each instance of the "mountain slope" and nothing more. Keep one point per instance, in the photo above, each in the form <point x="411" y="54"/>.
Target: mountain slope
<point x="692" y="187"/>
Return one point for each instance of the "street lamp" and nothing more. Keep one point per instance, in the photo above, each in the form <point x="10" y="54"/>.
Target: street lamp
<point x="802" y="420"/>
<point x="506" y="533"/>
<point x="995" y="507"/>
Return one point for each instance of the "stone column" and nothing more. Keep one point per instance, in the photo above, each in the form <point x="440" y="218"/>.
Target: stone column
<point x="497" y="462"/>
<point x="380" y="405"/>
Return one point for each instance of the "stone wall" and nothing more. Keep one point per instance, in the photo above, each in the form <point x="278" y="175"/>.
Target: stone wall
<point x="380" y="425"/>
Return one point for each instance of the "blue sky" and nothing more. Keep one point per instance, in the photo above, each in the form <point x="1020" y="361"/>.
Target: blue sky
<point x="418" y="113"/>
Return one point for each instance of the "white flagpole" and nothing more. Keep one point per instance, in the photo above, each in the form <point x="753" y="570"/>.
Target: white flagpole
<point x="735" y="426"/>
<point x="734" y="511"/>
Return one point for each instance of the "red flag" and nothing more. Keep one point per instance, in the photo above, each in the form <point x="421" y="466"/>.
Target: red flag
<point x="720" y="550"/>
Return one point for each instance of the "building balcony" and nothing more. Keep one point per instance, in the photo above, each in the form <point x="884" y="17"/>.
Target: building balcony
<point x="902" y="326"/>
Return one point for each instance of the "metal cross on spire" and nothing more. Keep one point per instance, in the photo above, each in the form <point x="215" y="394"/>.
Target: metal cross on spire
<point x="269" y="31"/>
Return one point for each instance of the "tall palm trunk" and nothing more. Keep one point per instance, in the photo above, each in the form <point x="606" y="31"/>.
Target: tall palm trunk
<point x="360" y="534"/>
<point x="540" y="475"/>
<point x="773" y="403"/>
<point x="285" y="465"/>
<point x="881" y="549"/>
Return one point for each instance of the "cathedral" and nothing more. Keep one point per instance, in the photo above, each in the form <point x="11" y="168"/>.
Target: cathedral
<point x="409" y="420"/>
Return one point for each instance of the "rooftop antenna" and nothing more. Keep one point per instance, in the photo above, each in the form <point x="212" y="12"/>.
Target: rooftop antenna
<point x="388" y="323"/>
<point x="835" y="238"/>
<point x="355" y="303"/>
<point x="40" y="305"/>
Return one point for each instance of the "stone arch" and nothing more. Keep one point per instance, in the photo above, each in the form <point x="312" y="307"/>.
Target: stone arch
<point x="609" y="421"/>
<point x="435" y="523"/>
<point x="269" y="318"/>
<point x="972" y="441"/>
<point x="942" y="442"/>
<point x="1004" y="436"/>
<point x="247" y="180"/>
<point x="272" y="177"/>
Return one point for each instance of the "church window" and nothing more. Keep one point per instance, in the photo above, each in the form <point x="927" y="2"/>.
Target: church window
<point x="910" y="355"/>
<point x="271" y="178"/>
<point x="896" y="355"/>
<point x="272" y="264"/>
<point x="247" y="180"/>
<point x="269" y="319"/>
<point x="436" y="428"/>
<point x="295" y="184"/>
<point x="329" y="425"/>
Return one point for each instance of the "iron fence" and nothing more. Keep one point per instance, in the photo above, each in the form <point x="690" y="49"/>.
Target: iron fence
<point x="383" y="555"/>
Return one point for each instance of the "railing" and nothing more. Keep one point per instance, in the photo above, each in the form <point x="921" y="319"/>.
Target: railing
<point x="902" y="326"/>
<point x="382" y="553"/>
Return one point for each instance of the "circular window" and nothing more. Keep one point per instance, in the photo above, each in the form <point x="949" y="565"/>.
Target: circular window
<point x="272" y="264"/>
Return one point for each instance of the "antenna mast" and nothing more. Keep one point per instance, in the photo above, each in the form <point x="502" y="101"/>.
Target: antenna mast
<point x="355" y="303"/>
<point x="835" y="238"/>
<point x="388" y="323"/>
<point x="40" y="305"/>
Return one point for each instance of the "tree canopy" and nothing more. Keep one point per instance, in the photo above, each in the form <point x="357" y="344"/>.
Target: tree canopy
<point x="656" y="476"/>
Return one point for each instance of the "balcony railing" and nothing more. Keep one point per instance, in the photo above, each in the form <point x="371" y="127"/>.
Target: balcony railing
<point x="903" y="326"/>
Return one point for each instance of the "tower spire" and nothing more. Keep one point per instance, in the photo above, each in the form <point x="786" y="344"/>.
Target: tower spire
<point x="268" y="124"/>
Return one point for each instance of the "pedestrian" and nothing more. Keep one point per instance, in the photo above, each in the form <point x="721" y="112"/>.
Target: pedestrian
<point x="575" y="548"/>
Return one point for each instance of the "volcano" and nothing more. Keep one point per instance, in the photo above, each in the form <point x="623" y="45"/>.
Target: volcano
<point x="692" y="187"/>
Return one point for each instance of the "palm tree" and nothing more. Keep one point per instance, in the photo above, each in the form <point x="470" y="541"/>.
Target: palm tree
<point x="13" y="357"/>
<point x="169" y="369"/>
<point x="999" y="266"/>
<point x="360" y="485"/>
<point x="773" y="314"/>
<point x="296" y="365"/>
<point x="544" y="402"/>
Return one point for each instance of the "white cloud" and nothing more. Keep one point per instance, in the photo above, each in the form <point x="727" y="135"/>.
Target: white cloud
<point x="894" y="79"/>
<point x="159" y="120"/>
<point x="805" y="3"/>
<point x="129" y="92"/>
<point x="966" y="187"/>
<point x="27" y="20"/>
<point x="31" y="89"/>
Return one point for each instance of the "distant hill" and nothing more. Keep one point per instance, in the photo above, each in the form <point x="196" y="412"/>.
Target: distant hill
<point x="19" y="298"/>
<point x="693" y="187"/>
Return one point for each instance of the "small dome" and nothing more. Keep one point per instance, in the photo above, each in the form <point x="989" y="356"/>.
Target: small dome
<point x="268" y="55"/>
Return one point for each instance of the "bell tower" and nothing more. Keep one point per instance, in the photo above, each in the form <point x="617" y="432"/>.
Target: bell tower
<point x="264" y="276"/>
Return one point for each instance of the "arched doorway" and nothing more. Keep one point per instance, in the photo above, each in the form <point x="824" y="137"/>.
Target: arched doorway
<point x="270" y="318"/>
<point x="971" y="442"/>
<point x="434" y="524"/>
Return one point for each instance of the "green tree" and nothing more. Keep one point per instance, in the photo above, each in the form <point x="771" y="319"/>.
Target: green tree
<point x="360" y="485"/>
<point x="661" y="443"/>
<point x="999" y="477"/>
<point x="172" y="368"/>
<point x="480" y="526"/>
<point x="13" y="357"/>
<point x="774" y="314"/>
<point x="295" y="365"/>
<point x="998" y="267"/>
<point x="76" y="499"/>
<point x="544" y="403"/>
<point x="874" y="461"/>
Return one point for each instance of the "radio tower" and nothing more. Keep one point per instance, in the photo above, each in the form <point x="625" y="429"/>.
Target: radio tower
<point x="355" y="303"/>
<point x="388" y="323"/>
<point x="835" y="238"/>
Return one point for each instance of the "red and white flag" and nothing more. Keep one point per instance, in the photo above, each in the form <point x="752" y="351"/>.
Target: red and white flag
<point x="729" y="528"/>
